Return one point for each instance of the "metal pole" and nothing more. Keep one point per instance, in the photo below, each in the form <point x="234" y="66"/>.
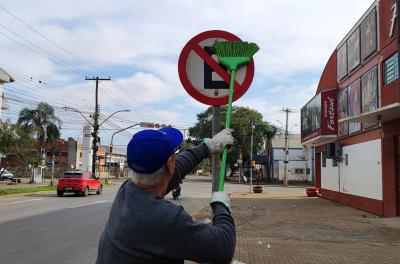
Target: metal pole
<point x="285" y="180"/>
<point x="96" y="128"/>
<point x="96" y="121"/>
<point x="251" y="156"/>
<point x="215" y="158"/>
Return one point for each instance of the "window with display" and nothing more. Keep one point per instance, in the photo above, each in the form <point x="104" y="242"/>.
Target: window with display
<point x="353" y="50"/>
<point x="368" y="31"/>
<point x="342" y="112"/>
<point x="342" y="62"/>
<point x="369" y="90"/>
<point x="354" y="104"/>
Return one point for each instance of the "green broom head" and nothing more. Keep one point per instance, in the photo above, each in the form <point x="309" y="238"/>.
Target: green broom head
<point x="233" y="54"/>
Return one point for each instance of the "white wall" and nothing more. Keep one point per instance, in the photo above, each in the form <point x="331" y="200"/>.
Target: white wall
<point x="329" y="176"/>
<point x="363" y="174"/>
<point x="87" y="148"/>
<point x="296" y="161"/>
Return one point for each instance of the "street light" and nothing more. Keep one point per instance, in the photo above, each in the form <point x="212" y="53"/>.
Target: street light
<point x="95" y="136"/>
<point x="119" y="111"/>
<point x="66" y="108"/>
<point x="141" y="124"/>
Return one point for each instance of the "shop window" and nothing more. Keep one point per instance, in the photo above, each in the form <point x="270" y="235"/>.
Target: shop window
<point x="298" y="171"/>
<point x="323" y="157"/>
<point x="391" y="68"/>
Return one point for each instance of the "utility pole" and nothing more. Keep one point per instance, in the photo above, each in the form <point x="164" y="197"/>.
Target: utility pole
<point x="285" y="180"/>
<point x="251" y="156"/>
<point x="96" y="120"/>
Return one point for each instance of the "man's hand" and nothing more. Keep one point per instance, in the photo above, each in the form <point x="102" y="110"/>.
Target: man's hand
<point x="220" y="140"/>
<point x="223" y="198"/>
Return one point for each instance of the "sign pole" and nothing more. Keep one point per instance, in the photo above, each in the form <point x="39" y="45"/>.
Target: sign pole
<point x="215" y="159"/>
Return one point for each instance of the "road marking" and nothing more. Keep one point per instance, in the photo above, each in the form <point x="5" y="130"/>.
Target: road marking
<point x="95" y="202"/>
<point x="24" y="201"/>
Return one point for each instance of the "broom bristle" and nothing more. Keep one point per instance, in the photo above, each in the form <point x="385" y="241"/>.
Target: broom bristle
<point x="235" y="48"/>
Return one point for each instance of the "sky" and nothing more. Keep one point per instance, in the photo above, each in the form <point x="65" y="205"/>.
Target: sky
<point x="49" y="47"/>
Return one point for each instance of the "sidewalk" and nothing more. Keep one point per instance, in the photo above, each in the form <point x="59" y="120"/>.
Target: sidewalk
<point x="288" y="227"/>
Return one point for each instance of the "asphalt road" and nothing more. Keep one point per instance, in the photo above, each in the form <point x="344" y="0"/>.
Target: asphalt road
<point x="43" y="228"/>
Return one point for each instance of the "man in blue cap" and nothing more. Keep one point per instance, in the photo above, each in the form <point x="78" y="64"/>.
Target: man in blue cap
<point x="144" y="228"/>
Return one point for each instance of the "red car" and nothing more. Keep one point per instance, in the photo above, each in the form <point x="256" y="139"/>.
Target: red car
<point x="78" y="182"/>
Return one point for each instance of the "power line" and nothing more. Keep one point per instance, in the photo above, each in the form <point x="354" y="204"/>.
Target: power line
<point x="50" y="40"/>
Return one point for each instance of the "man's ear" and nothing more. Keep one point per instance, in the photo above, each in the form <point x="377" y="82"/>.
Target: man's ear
<point x="170" y="165"/>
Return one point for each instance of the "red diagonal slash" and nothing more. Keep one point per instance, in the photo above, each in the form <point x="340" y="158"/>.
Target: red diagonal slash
<point x="214" y="65"/>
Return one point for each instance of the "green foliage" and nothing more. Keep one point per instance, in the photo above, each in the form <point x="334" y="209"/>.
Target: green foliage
<point x="10" y="191"/>
<point x="16" y="141"/>
<point x="41" y="122"/>
<point x="241" y="123"/>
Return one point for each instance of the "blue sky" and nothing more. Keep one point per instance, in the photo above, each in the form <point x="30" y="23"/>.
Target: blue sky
<point x="138" y="43"/>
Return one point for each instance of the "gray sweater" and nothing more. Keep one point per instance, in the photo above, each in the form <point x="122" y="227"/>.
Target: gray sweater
<point x="143" y="228"/>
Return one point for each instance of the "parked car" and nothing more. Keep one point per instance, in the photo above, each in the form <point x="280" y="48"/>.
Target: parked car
<point x="5" y="175"/>
<point x="78" y="182"/>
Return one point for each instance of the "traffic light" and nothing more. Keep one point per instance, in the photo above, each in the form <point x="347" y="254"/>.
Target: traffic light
<point x="253" y="163"/>
<point x="111" y="148"/>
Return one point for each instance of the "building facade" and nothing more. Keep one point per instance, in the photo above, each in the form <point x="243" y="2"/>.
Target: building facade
<point x="353" y="122"/>
<point x="299" y="159"/>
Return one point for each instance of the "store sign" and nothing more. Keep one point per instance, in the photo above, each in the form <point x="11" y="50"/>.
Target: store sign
<point x="393" y="19"/>
<point x="319" y="116"/>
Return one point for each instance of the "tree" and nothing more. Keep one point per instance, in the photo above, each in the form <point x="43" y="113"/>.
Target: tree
<point x="15" y="141"/>
<point x="269" y="133"/>
<point x="44" y="124"/>
<point x="242" y="118"/>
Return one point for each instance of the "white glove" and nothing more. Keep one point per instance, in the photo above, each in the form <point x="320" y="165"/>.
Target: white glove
<point x="221" y="197"/>
<point x="220" y="140"/>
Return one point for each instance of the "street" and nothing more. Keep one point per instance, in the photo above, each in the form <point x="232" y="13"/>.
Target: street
<point x="43" y="228"/>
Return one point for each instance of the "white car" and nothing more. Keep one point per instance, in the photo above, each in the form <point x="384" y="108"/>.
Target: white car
<point x="5" y="175"/>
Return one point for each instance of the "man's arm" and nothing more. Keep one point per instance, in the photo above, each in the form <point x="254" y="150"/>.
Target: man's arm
<point x="186" y="162"/>
<point x="203" y="243"/>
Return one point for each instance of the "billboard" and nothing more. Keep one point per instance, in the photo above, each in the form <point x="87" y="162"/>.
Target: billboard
<point x="342" y="112"/>
<point x="368" y="31"/>
<point x="341" y="62"/>
<point x="353" y="50"/>
<point x="311" y="115"/>
<point x="319" y="116"/>
<point x="354" y="104"/>
<point x="369" y="90"/>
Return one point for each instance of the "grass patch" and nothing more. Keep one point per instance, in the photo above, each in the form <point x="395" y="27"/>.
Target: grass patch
<point x="27" y="190"/>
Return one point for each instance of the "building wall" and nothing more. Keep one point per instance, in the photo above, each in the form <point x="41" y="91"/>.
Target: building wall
<point x="296" y="161"/>
<point x="329" y="176"/>
<point x="363" y="174"/>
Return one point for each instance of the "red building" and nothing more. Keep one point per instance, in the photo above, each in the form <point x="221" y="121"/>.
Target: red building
<point x="353" y="122"/>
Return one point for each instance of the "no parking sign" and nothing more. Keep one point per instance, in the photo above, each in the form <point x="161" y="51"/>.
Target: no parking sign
<point x="201" y="75"/>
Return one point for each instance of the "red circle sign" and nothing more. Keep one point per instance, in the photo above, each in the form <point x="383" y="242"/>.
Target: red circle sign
<point x="201" y="75"/>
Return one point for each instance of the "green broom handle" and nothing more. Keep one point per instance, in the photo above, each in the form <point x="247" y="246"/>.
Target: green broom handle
<point x="227" y="125"/>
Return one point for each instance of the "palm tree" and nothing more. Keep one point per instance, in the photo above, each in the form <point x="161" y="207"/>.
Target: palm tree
<point x="44" y="123"/>
<point x="269" y="133"/>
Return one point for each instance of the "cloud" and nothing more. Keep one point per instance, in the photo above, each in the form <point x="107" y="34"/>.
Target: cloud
<point x="140" y="44"/>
